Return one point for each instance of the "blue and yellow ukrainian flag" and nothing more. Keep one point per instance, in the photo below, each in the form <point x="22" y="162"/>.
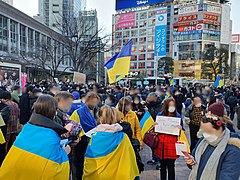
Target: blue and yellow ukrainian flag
<point x="218" y="82"/>
<point x="146" y="123"/>
<point x="173" y="82"/>
<point x="118" y="66"/>
<point x="36" y="154"/>
<point x="110" y="156"/>
<point x="2" y="139"/>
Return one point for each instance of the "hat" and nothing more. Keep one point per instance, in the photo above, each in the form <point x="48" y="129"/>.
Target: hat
<point x="219" y="96"/>
<point x="217" y="109"/>
<point x="76" y="95"/>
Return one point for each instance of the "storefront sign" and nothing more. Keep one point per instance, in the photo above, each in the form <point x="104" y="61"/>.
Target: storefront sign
<point x="188" y="32"/>
<point x="188" y="10"/>
<point x="211" y="32"/>
<point x="210" y="17"/>
<point x="235" y="38"/>
<point x="214" y="9"/>
<point x="188" y="18"/>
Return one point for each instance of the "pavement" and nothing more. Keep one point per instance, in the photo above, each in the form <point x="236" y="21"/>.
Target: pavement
<point x="150" y="172"/>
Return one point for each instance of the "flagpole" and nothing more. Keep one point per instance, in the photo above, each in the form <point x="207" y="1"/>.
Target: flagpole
<point x="124" y="96"/>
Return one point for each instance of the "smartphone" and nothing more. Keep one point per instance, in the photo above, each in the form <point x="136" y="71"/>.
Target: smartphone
<point x="186" y="154"/>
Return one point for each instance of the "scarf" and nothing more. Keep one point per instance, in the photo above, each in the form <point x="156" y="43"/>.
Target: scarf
<point x="210" y="170"/>
<point x="109" y="128"/>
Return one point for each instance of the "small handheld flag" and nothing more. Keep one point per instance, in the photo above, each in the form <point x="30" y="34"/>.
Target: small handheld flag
<point x="218" y="82"/>
<point x="118" y="66"/>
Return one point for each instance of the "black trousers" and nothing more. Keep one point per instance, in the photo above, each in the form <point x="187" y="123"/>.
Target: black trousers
<point x="78" y="158"/>
<point x="167" y="164"/>
<point x="193" y="135"/>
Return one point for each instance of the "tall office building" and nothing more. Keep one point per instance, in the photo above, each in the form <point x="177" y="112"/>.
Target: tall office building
<point x="8" y="1"/>
<point x="149" y="25"/>
<point x="51" y="12"/>
<point x="196" y="27"/>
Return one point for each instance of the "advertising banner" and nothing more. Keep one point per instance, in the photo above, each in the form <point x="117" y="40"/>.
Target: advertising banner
<point x="214" y="9"/>
<point x="188" y="32"/>
<point x="161" y="33"/>
<point x="235" y="38"/>
<point x="188" y="10"/>
<point x="188" y="18"/>
<point x="124" y="4"/>
<point x="125" y="20"/>
<point x="190" y="28"/>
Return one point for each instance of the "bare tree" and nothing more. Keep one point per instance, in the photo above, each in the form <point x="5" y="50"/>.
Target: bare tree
<point x="48" y="56"/>
<point x="83" y="41"/>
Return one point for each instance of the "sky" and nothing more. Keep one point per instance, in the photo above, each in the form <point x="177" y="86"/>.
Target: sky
<point x="106" y="8"/>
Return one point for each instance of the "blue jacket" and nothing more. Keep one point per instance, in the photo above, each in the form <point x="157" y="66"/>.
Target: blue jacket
<point x="229" y="163"/>
<point x="75" y="105"/>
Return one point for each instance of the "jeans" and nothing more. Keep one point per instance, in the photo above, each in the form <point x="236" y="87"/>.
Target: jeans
<point x="168" y="164"/>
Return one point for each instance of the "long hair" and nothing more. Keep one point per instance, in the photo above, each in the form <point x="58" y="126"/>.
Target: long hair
<point x="108" y="115"/>
<point x="165" y="107"/>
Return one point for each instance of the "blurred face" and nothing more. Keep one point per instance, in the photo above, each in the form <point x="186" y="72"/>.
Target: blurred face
<point x="209" y="133"/>
<point x="92" y="103"/>
<point x="65" y="104"/>
<point x="54" y="89"/>
<point x="136" y="101"/>
<point x="152" y="99"/>
<point x="171" y="107"/>
<point x="197" y="102"/>
<point x="109" y="100"/>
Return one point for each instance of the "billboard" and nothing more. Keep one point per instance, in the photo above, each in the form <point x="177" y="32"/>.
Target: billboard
<point x="161" y="33"/>
<point x="125" y="20"/>
<point x="190" y="28"/>
<point x="125" y="4"/>
<point x="210" y="17"/>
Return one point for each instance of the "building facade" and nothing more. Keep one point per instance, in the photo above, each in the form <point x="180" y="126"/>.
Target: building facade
<point x="235" y="57"/>
<point x="21" y="41"/>
<point x="52" y="12"/>
<point x="8" y="1"/>
<point x="197" y="27"/>
<point x="150" y="28"/>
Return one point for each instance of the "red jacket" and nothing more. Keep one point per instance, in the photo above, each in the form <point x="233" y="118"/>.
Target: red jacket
<point x="166" y="147"/>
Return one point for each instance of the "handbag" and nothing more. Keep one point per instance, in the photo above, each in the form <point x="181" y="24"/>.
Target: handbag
<point x="151" y="139"/>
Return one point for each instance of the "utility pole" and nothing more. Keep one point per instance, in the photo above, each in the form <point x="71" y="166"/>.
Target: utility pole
<point x="156" y="75"/>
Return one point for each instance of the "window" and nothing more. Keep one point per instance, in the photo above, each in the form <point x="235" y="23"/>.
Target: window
<point x="141" y="65"/>
<point x="30" y="42"/>
<point x="150" y="39"/>
<point x="141" y="57"/>
<point x="150" y="56"/>
<point x="3" y="34"/>
<point x="143" y="15"/>
<point x="151" y="22"/>
<point x="151" y="31"/>
<point x="142" y="40"/>
<point x="14" y="36"/>
<point x="151" y="14"/>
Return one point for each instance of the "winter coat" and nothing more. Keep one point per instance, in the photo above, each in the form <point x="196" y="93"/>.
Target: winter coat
<point x="229" y="162"/>
<point x="190" y="113"/>
<point x="166" y="147"/>
<point x="179" y="98"/>
<point x="132" y="118"/>
<point x="25" y="111"/>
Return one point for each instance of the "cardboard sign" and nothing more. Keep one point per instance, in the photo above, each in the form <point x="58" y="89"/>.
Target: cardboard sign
<point x="79" y="78"/>
<point x="167" y="125"/>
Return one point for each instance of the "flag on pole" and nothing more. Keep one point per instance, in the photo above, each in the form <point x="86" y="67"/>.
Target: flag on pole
<point x="118" y="66"/>
<point x="146" y="123"/>
<point x="218" y="82"/>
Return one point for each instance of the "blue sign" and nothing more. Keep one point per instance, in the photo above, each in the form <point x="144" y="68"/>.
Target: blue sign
<point x="161" y="34"/>
<point x="125" y="4"/>
<point x="188" y="32"/>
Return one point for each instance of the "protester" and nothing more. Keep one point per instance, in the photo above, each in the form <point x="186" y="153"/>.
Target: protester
<point x="217" y="154"/>
<point x="76" y="104"/>
<point x="127" y="115"/>
<point x="13" y="124"/>
<point x="115" y="162"/>
<point x="36" y="153"/>
<point x="166" y="150"/>
<point x="111" y="100"/>
<point x="195" y="112"/>
<point x="16" y="90"/>
<point x="24" y="105"/>
<point x="179" y="98"/>
<point x="53" y="90"/>
<point x="64" y="100"/>
<point x="34" y="96"/>
<point x="87" y="116"/>
<point x="138" y="107"/>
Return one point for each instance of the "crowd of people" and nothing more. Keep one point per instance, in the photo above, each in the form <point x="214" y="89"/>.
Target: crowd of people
<point x="72" y="131"/>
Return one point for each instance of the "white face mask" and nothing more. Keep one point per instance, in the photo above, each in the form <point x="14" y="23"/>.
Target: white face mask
<point x="171" y="109"/>
<point x="198" y="105"/>
<point x="210" y="137"/>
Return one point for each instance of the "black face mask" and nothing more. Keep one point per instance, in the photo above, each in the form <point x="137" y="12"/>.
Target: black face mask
<point x="91" y="107"/>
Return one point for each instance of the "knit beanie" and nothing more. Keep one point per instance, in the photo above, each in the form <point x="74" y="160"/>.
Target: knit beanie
<point x="217" y="109"/>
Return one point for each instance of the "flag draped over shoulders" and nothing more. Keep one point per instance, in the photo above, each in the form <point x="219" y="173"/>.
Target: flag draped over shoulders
<point x="146" y="123"/>
<point x="110" y="156"/>
<point x="36" y="154"/>
<point x="85" y="118"/>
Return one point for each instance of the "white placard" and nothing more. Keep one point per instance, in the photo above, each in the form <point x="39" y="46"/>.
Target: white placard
<point x="167" y="125"/>
<point x="181" y="146"/>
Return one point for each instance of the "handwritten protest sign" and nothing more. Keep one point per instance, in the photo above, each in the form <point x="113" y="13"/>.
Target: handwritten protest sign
<point x="79" y="78"/>
<point x="167" y="125"/>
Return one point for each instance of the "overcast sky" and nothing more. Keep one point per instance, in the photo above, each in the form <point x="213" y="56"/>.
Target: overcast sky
<point x="106" y="8"/>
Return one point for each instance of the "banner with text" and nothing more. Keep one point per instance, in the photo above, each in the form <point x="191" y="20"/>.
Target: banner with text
<point x="125" y="20"/>
<point x="161" y="33"/>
